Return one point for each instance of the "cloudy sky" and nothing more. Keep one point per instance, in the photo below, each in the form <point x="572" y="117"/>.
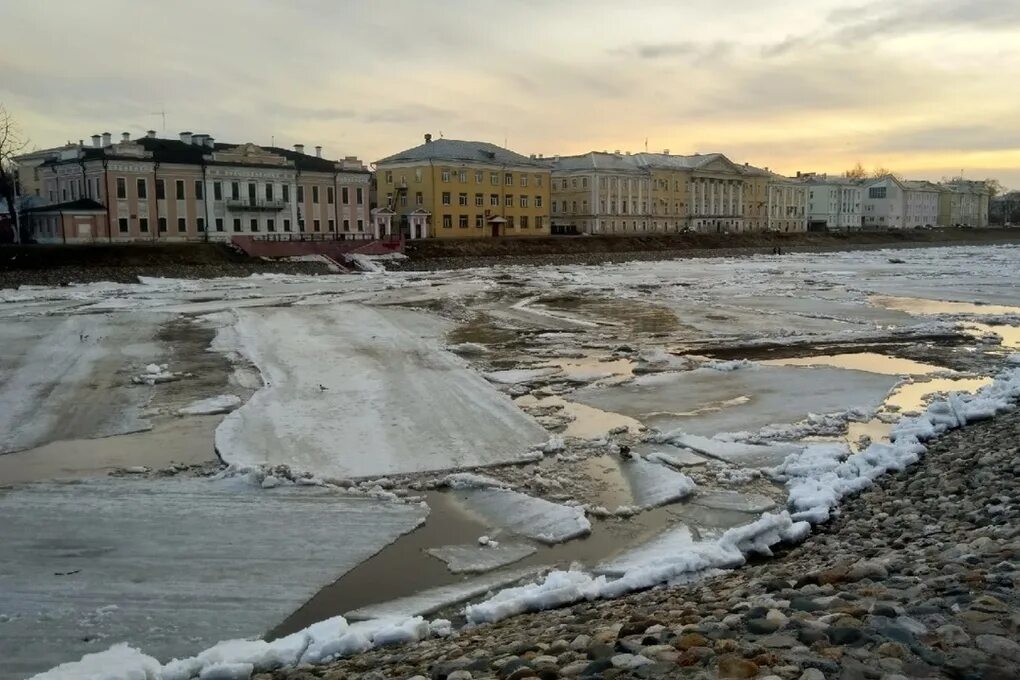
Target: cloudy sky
<point x="924" y="87"/>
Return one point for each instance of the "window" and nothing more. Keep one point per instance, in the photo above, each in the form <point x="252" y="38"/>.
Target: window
<point x="508" y="200"/>
<point x="447" y="222"/>
<point x="524" y="221"/>
<point x="330" y="195"/>
<point x="494" y="179"/>
<point x="538" y="201"/>
<point x="270" y="224"/>
<point x="463" y="221"/>
<point x="462" y="199"/>
<point x="584" y="182"/>
<point x="361" y="223"/>
<point x="344" y="198"/>
<point x="524" y="180"/>
<point x="538" y="180"/>
<point x="508" y="179"/>
<point x="143" y="225"/>
<point x="316" y="226"/>
<point x="509" y="221"/>
<point x="347" y="225"/>
<point x="524" y="201"/>
<point x="217" y="191"/>
<point x="479" y="200"/>
<point x="286" y="193"/>
<point x="479" y="176"/>
<point x="122" y="223"/>
<point x="235" y="190"/>
<point x="219" y="224"/>
<point x="161" y="224"/>
<point x="478" y="221"/>
<point x="876" y="192"/>
<point x="573" y="206"/>
<point x="301" y="224"/>
<point x="462" y="176"/>
<point x="199" y="190"/>
<point x="360" y="195"/>
<point x="446" y="175"/>
<point x="286" y="225"/>
<point x="389" y="177"/>
<point x="269" y="192"/>
<point x="252" y="192"/>
<point x="180" y="190"/>
<point x="573" y="183"/>
<point x="200" y="224"/>
<point x="143" y="189"/>
<point x="300" y="194"/>
<point x="315" y="194"/>
<point x="332" y="225"/>
<point x="446" y="198"/>
<point x="538" y="222"/>
<point x="237" y="224"/>
<point x="403" y="200"/>
<point x="121" y="188"/>
<point x="417" y="175"/>
<point x="494" y="200"/>
<point x="182" y="224"/>
<point x="254" y="224"/>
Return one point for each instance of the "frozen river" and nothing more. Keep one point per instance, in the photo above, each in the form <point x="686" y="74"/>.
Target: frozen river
<point x="282" y="446"/>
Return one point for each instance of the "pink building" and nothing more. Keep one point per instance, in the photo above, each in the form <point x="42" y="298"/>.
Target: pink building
<point x="195" y="189"/>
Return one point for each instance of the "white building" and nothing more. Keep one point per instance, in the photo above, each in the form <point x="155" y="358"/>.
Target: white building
<point x="890" y="203"/>
<point x="832" y="202"/>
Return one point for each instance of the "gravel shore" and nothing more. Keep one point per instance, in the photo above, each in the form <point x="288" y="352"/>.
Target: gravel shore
<point x="915" y="578"/>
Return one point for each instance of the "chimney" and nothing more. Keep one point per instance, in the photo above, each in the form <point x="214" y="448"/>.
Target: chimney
<point x="617" y="152"/>
<point x="151" y="134"/>
<point x="665" y="151"/>
<point x="199" y="139"/>
<point x="96" y="140"/>
<point x="125" y="136"/>
<point x="106" y="138"/>
<point x="532" y="156"/>
<point x="81" y="142"/>
<point x="300" y="148"/>
<point x="428" y="138"/>
<point x="540" y="156"/>
<point x="318" y="152"/>
<point x="798" y="173"/>
<point x="210" y="142"/>
<point x="186" y="137"/>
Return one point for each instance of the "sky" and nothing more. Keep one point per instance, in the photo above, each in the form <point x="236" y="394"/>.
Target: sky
<point x="926" y="88"/>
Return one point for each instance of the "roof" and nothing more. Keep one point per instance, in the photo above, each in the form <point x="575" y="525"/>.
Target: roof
<point x="920" y="185"/>
<point x="178" y="152"/>
<point x="80" y="205"/>
<point x="458" y="151"/>
<point x="641" y="162"/>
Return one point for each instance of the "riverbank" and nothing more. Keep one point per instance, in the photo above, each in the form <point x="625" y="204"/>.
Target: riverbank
<point x="915" y="578"/>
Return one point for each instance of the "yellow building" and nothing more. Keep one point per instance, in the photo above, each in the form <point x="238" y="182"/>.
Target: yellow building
<point x="448" y="188"/>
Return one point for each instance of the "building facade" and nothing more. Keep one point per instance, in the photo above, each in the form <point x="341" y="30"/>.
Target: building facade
<point x="963" y="203"/>
<point x="447" y="188"/>
<point x="195" y="189"/>
<point x="787" y="205"/>
<point x="614" y="193"/>
<point x="833" y="203"/>
<point x="890" y="203"/>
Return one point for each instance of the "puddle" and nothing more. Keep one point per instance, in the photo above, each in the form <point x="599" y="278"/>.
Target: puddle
<point x="911" y="397"/>
<point x="923" y="306"/>
<point x="595" y="369"/>
<point x="609" y="488"/>
<point x="1010" y="334"/>
<point x="871" y="362"/>
<point x="175" y="440"/>
<point x="481" y="330"/>
<point x="636" y="316"/>
<point x="589" y="422"/>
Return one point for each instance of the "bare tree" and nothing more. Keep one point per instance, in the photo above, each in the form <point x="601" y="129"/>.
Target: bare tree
<point x="856" y="172"/>
<point x="994" y="187"/>
<point x="882" y="172"/>
<point x="12" y="142"/>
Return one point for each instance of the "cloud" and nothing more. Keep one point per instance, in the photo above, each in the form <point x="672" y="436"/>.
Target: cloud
<point x="962" y="138"/>
<point x="682" y="48"/>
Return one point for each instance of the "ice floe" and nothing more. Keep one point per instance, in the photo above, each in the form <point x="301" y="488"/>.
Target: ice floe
<point x="224" y="403"/>
<point x="473" y="558"/>
<point x="528" y="516"/>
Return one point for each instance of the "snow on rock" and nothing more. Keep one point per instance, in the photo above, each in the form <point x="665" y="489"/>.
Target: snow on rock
<point x="528" y="516"/>
<point x="517" y="376"/>
<point x="224" y="403"/>
<point x="652" y="484"/>
<point x="469" y="558"/>
<point x="364" y="263"/>
<point x="732" y="500"/>
<point x="366" y="406"/>
<point x="658" y="359"/>
<point x="119" y="662"/>
<point x="156" y="373"/>
<point x="555" y="590"/>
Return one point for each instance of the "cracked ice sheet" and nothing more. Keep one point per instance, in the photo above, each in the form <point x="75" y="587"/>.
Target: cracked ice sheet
<point x="171" y="566"/>
<point x="652" y="484"/>
<point x="525" y="515"/>
<point x="357" y="391"/>
<point x="432" y="600"/>
<point x="473" y="558"/>
<point x="775" y="394"/>
<point x="52" y="367"/>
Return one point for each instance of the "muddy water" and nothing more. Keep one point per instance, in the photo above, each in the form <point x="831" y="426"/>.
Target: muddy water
<point x="636" y="316"/>
<point x="922" y="306"/>
<point x="171" y="440"/>
<point x="914" y="396"/>
<point x="609" y="370"/>
<point x="1010" y="335"/>
<point x="589" y="422"/>
<point x="871" y="362"/>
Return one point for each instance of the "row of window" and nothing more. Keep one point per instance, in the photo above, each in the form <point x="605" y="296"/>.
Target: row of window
<point x="509" y="178"/>
<point x="254" y="224"/>
<point x="521" y="221"/>
<point x="508" y="200"/>
<point x="268" y="191"/>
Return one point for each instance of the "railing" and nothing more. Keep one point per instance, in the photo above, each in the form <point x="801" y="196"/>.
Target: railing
<point x="255" y="204"/>
<point x="320" y="237"/>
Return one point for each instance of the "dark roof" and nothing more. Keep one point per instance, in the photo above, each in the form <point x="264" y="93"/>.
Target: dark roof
<point x="81" y="205"/>
<point x="178" y="152"/>
<point x="458" y="151"/>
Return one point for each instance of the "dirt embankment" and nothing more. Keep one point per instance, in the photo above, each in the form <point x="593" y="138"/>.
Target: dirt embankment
<point x="52" y="265"/>
<point x="460" y="253"/>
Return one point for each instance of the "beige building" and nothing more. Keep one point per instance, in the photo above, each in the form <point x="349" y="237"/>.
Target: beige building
<point x="193" y="188"/>
<point x="448" y="188"/>
<point x="786" y="204"/>
<point x="963" y="202"/>
<point x="614" y="193"/>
